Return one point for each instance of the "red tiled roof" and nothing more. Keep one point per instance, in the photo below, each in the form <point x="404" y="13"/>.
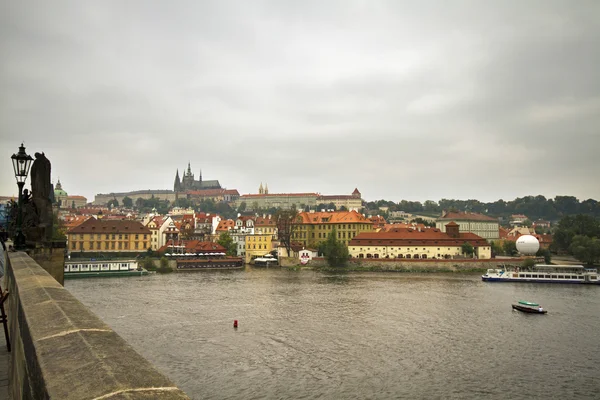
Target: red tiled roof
<point x="466" y="216"/>
<point x="260" y="221"/>
<point x="281" y="195"/>
<point x="194" y="246"/>
<point x="356" y="191"/>
<point x="75" y="197"/>
<point x="335" y="217"/>
<point x="225" y="224"/>
<point x="407" y="237"/>
<point x="93" y="225"/>
<point x="336" y="197"/>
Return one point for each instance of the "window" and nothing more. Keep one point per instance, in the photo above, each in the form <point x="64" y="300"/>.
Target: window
<point x="74" y="245"/>
<point x="112" y="245"/>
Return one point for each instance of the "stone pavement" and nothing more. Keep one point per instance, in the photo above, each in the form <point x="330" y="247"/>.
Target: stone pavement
<point x="4" y="355"/>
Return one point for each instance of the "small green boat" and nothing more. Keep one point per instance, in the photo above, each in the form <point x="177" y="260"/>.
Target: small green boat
<point x="529" y="307"/>
<point x="527" y="303"/>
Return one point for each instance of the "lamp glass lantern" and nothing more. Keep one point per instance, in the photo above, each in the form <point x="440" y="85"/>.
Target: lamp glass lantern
<point x="21" y="164"/>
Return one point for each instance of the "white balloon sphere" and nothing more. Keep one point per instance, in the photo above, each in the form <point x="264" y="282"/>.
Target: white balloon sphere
<point x="528" y="245"/>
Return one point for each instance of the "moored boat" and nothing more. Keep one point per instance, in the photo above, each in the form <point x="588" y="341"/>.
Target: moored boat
<point x="543" y="273"/>
<point x="265" y="261"/>
<point x="204" y="261"/>
<point x="529" y="307"/>
<point x="102" y="268"/>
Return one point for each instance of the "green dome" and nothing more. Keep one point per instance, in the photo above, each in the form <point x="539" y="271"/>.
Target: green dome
<point x="59" y="193"/>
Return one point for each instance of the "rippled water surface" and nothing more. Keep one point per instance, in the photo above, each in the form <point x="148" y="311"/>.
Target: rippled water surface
<point x="308" y="335"/>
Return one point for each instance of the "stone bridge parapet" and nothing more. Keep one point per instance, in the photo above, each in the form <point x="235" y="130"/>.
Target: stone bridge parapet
<point x="61" y="350"/>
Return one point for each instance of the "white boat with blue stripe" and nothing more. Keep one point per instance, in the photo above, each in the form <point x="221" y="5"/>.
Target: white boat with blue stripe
<point x="543" y="273"/>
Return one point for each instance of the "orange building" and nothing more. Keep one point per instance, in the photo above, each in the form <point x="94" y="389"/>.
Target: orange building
<point x="314" y="227"/>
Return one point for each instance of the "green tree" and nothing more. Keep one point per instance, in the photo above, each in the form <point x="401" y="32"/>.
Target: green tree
<point x="148" y="264"/>
<point x="58" y="228"/>
<point x="496" y="249"/>
<point x="546" y="254"/>
<point x="113" y="203"/>
<point x="528" y="263"/>
<point x="336" y="252"/>
<point x="164" y="267"/>
<point x="226" y="241"/>
<point x="183" y="202"/>
<point x="127" y="202"/>
<point x="467" y="248"/>
<point x="510" y="248"/>
<point x="571" y="226"/>
<point x="242" y="207"/>
<point x="586" y="249"/>
<point x="287" y="224"/>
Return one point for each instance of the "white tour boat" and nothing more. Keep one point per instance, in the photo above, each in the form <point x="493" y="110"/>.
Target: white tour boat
<point x="265" y="261"/>
<point x="542" y="273"/>
<point x="102" y="268"/>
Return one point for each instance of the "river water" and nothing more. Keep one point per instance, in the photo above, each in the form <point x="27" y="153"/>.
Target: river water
<point x="313" y="335"/>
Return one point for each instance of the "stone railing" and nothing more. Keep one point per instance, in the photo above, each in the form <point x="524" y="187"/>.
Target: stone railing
<point x="61" y="350"/>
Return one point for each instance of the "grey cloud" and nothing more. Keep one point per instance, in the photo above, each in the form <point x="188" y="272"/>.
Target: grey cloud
<point x="403" y="99"/>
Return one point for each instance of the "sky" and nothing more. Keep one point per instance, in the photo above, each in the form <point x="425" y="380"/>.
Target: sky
<point x="407" y="100"/>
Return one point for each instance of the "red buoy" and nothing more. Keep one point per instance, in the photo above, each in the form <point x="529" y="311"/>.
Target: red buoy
<point x="235" y="323"/>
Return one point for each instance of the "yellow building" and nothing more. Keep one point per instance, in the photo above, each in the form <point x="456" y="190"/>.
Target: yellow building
<point x="411" y="243"/>
<point x="265" y="226"/>
<point x="258" y="246"/>
<point x="314" y="227"/>
<point x="109" y="236"/>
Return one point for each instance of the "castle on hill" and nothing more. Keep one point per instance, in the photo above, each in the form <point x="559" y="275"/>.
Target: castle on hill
<point x="188" y="182"/>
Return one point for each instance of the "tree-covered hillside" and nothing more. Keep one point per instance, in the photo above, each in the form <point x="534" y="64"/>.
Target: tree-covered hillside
<point x="534" y="207"/>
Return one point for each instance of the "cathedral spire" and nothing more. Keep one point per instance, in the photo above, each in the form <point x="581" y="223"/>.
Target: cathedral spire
<point x="177" y="185"/>
<point x="189" y="170"/>
<point x="266" y="189"/>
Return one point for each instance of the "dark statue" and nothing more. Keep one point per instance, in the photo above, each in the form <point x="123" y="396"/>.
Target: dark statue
<point x="37" y="212"/>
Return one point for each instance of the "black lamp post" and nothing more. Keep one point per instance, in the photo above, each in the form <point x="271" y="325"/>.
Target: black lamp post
<point x="21" y="164"/>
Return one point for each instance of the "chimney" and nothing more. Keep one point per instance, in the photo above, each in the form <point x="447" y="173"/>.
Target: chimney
<point x="452" y="230"/>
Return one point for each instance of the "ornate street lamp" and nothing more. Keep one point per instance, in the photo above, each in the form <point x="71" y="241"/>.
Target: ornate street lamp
<point x="21" y="164"/>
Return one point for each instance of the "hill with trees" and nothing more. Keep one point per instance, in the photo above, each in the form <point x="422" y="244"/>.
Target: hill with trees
<point x="534" y="207"/>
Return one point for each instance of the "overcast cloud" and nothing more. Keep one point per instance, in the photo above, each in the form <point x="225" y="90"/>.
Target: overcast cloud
<point x="403" y="99"/>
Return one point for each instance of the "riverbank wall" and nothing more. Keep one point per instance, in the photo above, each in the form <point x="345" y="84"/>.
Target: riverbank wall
<point x="407" y="265"/>
<point x="61" y="350"/>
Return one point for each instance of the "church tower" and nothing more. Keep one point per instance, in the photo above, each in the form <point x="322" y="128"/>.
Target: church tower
<point x="266" y="189"/>
<point x="177" y="185"/>
<point x="260" y="189"/>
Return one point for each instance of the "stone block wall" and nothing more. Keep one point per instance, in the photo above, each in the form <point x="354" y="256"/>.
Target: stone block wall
<point x="61" y="350"/>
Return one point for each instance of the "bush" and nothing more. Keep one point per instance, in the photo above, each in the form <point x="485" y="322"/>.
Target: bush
<point x="528" y="263"/>
<point x="148" y="264"/>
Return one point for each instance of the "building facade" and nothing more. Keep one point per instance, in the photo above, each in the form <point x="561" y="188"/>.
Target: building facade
<point x="257" y="246"/>
<point x="418" y="244"/>
<point x="314" y="227"/>
<point x="479" y="224"/>
<point x="109" y="236"/>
